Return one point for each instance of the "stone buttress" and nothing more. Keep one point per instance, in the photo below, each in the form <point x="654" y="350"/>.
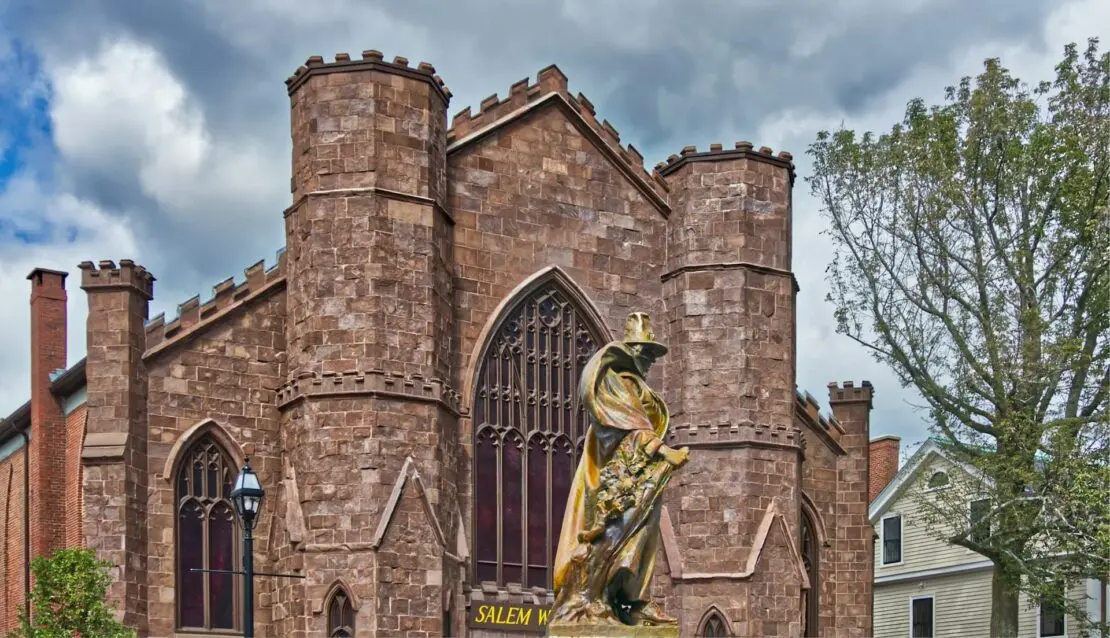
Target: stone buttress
<point x="369" y="422"/>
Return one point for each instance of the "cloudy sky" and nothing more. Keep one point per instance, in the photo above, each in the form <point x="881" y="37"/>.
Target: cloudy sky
<point x="159" y="131"/>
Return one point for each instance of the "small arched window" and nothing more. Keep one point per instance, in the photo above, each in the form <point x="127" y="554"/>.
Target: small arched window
<point x="938" y="480"/>
<point x="714" y="627"/>
<point x="207" y="539"/>
<point x="528" y="428"/>
<point x="341" y="615"/>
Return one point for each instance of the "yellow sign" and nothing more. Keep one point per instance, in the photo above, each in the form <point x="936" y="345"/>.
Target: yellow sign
<point x="505" y="616"/>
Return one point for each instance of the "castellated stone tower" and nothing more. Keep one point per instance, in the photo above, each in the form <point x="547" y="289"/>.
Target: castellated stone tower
<point x="369" y="335"/>
<point x="729" y="294"/>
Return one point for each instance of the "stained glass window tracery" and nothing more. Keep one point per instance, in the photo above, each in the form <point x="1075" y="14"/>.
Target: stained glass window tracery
<point x="529" y="429"/>
<point x="207" y="538"/>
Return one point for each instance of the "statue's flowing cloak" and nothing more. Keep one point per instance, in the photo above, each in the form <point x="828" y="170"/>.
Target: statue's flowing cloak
<point x="618" y="403"/>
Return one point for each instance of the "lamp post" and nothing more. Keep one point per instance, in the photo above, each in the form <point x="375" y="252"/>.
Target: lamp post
<point x="247" y="497"/>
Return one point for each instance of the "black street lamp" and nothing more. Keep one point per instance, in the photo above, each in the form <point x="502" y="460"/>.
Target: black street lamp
<point x="247" y="497"/>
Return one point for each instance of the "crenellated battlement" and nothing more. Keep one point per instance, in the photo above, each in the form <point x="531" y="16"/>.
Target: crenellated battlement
<point x="371" y="60"/>
<point x="107" y="275"/>
<point x="369" y="382"/>
<point x="848" y="392"/>
<point x="549" y="81"/>
<point x="734" y="434"/>
<point x="717" y="152"/>
<point x="225" y="296"/>
<point x="807" y="404"/>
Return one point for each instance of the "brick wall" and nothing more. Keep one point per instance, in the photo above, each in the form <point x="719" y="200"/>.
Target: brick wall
<point x="48" y="427"/>
<point x="883" y="452"/>
<point x="12" y="472"/>
<point x="74" y="498"/>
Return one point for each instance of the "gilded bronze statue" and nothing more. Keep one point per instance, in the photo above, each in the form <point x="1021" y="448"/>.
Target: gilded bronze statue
<point x="610" y="534"/>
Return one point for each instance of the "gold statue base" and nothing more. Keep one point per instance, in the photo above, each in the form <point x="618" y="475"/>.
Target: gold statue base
<point x="560" y="630"/>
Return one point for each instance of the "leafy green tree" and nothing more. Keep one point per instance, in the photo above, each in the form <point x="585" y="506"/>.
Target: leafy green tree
<point x="68" y="598"/>
<point x="972" y="256"/>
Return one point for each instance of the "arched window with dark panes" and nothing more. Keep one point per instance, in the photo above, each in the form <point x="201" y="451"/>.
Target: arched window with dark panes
<point x="207" y="539"/>
<point x="528" y="431"/>
<point x="341" y="615"/>
<point x="810" y="560"/>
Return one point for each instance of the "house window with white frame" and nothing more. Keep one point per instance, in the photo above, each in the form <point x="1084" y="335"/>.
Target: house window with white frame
<point x="1051" y="621"/>
<point x="922" y="617"/>
<point x="892" y="539"/>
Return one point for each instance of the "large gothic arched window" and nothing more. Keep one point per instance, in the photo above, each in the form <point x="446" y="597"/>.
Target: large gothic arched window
<point x="528" y="427"/>
<point x="207" y="539"/>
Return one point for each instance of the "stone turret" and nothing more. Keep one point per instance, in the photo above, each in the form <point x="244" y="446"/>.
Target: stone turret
<point x="369" y="335"/>
<point x="730" y="294"/>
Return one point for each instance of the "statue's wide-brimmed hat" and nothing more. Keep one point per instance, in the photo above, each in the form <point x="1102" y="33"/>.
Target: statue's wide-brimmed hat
<point x="638" y="332"/>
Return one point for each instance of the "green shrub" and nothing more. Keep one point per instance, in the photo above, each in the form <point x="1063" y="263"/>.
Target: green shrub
<point x="68" y="598"/>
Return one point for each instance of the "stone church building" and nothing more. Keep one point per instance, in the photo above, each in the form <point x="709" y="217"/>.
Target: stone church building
<point x="402" y="379"/>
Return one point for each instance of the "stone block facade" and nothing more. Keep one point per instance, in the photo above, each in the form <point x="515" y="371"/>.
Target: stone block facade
<point x="438" y="285"/>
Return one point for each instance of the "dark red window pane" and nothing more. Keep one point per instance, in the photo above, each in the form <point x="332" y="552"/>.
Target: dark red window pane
<point x="562" y="472"/>
<point x="191" y="556"/>
<point x="512" y="522"/>
<point x="221" y="555"/>
<point x="485" y="498"/>
<point x="537" y="513"/>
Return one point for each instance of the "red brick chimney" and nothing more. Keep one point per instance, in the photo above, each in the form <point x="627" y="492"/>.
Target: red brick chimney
<point x="48" y="426"/>
<point x="884" y="463"/>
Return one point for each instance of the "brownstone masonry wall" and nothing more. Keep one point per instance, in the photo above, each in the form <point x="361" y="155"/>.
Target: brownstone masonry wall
<point x="820" y="485"/>
<point x="370" y="329"/>
<point x="220" y="379"/>
<point x="854" y="551"/>
<point x="116" y="476"/>
<point x="730" y="301"/>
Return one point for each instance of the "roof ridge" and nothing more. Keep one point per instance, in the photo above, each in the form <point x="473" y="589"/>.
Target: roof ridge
<point x="551" y="80"/>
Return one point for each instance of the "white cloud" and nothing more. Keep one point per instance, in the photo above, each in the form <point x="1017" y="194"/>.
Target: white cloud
<point x="122" y="109"/>
<point x="74" y="230"/>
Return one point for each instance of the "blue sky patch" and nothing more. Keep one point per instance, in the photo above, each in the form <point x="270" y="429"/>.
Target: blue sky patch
<point x="24" y="109"/>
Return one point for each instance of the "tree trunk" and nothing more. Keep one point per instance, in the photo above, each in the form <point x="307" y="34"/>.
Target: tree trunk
<point x="1004" y="607"/>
